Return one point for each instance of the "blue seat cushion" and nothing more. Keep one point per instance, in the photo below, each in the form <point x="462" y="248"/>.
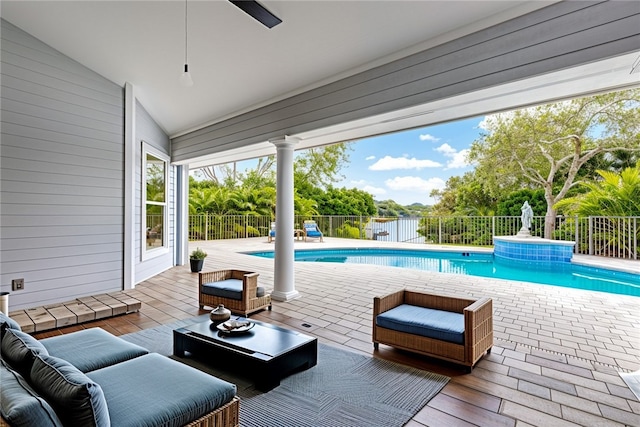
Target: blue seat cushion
<point x="21" y="405"/>
<point x="311" y="230"/>
<point x="153" y="390"/>
<point x="91" y="349"/>
<point x="427" y="322"/>
<point x="229" y="288"/>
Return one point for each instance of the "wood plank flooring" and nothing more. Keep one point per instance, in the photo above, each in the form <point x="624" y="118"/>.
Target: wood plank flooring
<point x="556" y="360"/>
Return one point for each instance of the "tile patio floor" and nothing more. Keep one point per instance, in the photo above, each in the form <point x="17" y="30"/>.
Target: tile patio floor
<point x="555" y="362"/>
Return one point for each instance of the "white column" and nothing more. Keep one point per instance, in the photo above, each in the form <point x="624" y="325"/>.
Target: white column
<point x="284" y="282"/>
<point x="129" y="252"/>
<point x="181" y="212"/>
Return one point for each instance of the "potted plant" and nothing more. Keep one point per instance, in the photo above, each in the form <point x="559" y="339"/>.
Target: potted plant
<point x="197" y="260"/>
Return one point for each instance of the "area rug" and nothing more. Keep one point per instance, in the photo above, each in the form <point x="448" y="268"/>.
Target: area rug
<point x="343" y="389"/>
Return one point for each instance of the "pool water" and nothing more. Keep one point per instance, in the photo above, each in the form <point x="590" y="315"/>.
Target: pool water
<point x="479" y="264"/>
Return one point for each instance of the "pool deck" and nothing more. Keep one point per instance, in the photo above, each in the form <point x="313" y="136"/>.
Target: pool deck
<point x="557" y="357"/>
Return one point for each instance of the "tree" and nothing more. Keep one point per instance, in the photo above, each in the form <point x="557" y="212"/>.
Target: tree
<point x="616" y="194"/>
<point x="615" y="198"/>
<point x="251" y="201"/>
<point x="210" y="200"/>
<point x="447" y="197"/>
<point x="390" y="208"/>
<point x="464" y="195"/>
<point x="263" y="175"/>
<point x="319" y="167"/>
<point x="342" y="201"/>
<point x="304" y="207"/>
<point x="545" y="146"/>
<point x="510" y="205"/>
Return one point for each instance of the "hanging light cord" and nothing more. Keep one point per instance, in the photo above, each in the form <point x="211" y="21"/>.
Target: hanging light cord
<point x="186" y="32"/>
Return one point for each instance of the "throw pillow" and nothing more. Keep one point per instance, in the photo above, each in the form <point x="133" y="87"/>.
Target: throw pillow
<point x="75" y="398"/>
<point x="19" y="349"/>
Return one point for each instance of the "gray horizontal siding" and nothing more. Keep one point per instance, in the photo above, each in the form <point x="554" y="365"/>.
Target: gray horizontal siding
<point x="562" y="35"/>
<point x="77" y="242"/>
<point x="62" y="175"/>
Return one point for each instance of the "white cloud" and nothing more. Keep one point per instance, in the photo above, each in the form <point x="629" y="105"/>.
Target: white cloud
<point x="370" y="157"/>
<point x="366" y="186"/>
<point x="446" y="149"/>
<point x="391" y="163"/>
<point x="374" y="191"/>
<point x="415" y="184"/>
<point x="427" y="137"/>
<point x="459" y="160"/>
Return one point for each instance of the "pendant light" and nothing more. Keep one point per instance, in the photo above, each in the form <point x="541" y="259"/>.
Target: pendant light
<point x="185" y="78"/>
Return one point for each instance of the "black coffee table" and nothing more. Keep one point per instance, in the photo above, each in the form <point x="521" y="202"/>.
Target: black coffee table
<point x="266" y="353"/>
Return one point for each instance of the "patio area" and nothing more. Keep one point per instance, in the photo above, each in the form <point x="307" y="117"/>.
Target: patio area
<point x="556" y="358"/>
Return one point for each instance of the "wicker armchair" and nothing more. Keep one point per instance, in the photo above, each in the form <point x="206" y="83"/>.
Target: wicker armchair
<point x="249" y="301"/>
<point x="478" y="327"/>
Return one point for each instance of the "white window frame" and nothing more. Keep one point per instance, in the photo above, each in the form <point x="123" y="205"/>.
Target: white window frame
<point x="164" y="249"/>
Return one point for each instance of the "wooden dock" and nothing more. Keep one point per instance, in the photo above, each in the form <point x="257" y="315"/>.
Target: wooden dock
<point x="80" y="310"/>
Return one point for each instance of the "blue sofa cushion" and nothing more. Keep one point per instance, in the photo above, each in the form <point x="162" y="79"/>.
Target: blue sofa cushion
<point x="77" y="400"/>
<point x="20" y="349"/>
<point x="229" y="288"/>
<point x="91" y="349"/>
<point x="427" y="322"/>
<point x="138" y="395"/>
<point x="20" y="405"/>
<point x="8" y="322"/>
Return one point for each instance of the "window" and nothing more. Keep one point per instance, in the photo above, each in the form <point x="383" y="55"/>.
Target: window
<point x="154" y="194"/>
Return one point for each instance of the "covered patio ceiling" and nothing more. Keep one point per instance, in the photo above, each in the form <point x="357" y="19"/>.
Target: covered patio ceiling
<point x="603" y="76"/>
<point x="238" y="65"/>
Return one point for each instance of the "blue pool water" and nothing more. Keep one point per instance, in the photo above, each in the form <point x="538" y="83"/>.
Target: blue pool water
<point x="479" y="264"/>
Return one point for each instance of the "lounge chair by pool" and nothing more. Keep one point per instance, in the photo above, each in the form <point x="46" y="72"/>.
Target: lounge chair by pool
<point x="311" y="230"/>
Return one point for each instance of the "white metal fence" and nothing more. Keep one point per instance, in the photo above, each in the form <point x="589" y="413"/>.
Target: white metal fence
<point x="616" y="237"/>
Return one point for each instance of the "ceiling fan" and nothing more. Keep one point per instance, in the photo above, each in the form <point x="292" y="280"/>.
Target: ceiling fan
<point x="257" y="12"/>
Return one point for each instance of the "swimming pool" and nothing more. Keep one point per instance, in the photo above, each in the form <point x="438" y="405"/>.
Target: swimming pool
<point x="478" y="264"/>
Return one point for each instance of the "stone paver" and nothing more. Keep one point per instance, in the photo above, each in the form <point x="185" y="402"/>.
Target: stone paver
<point x="557" y="353"/>
<point x="560" y="349"/>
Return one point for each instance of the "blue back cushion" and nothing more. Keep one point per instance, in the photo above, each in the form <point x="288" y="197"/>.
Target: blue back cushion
<point x="19" y="350"/>
<point x="427" y="322"/>
<point x="77" y="400"/>
<point x="21" y="405"/>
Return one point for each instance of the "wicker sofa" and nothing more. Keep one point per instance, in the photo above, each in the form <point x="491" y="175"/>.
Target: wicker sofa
<point x="458" y="330"/>
<point x="237" y="290"/>
<point x="93" y="378"/>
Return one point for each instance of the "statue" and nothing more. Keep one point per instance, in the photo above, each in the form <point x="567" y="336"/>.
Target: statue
<point x="527" y="216"/>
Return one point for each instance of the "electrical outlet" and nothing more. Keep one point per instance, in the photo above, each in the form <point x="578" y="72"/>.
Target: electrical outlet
<point x="17" y="284"/>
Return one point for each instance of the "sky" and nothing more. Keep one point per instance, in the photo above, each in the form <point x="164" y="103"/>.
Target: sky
<point x="407" y="166"/>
